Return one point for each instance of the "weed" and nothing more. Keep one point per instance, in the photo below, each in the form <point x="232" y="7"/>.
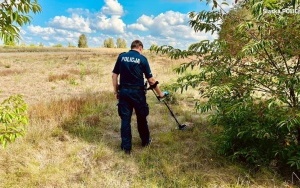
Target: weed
<point x="73" y="81"/>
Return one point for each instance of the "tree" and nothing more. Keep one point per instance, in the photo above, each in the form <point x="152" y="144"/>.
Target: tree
<point x="251" y="78"/>
<point x="14" y="14"/>
<point x="121" y="43"/>
<point x="13" y="111"/>
<point x="82" y="41"/>
<point x="109" y="43"/>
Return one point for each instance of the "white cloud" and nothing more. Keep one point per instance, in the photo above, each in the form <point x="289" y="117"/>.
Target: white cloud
<point x="67" y="28"/>
<point x="147" y="21"/>
<point x="113" y="25"/>
<point x="137" y="26"/>
<point x="172" y="18"/>
<point x="76" y="23"/>
<point x="52" y="34"/>
<point x="46" y="38"/>
<point x="170" y="26"/>
<point x="41" y="31"/>
<point x="22" y="31"/>
<point x="109" y="19"/>
<point x="112" y="7"/>
<point x="67" y="34"/>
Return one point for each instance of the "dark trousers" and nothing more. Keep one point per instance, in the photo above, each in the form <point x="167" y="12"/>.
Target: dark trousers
<point x="130" y="99"/>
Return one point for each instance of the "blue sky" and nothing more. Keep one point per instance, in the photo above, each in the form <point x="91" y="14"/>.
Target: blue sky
<point x="161" y="22"/>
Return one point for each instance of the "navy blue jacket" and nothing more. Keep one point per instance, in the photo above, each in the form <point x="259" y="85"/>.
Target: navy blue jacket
<point x="132" y="67"/>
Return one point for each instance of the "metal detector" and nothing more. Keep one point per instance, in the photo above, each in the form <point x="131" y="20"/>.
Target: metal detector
<point x="180" y="126"/>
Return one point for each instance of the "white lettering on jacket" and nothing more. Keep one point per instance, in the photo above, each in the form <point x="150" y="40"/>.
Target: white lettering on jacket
<point x="131" y="59"/>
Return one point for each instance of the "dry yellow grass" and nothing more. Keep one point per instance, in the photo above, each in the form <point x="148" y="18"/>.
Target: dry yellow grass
<point x="45" y="75"/>
<point x="73" y="136"/>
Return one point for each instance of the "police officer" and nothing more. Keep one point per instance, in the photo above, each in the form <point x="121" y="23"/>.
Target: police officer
<point x="132" y="66"/>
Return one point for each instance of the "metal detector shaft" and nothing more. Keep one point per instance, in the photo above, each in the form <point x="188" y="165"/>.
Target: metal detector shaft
<point x="169" y="109"/>
<point x="172" y="113"/>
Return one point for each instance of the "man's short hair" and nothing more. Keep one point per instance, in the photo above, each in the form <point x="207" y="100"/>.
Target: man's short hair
<point x="136" y="43"/>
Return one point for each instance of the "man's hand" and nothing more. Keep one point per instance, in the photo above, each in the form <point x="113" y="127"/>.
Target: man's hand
<point x="163" y="95"/>
<point x="116" y="95"/>
<point x="153" y="86"/>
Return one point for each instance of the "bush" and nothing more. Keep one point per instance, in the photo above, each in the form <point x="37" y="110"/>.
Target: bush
<point x="13" y="119"/>
<point x="252" y="87"/>
<point x="58" y="45"/>
<point x="251" y="131"/>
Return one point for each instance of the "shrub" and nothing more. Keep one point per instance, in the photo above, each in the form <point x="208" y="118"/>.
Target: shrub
<point x="251" y="87"/>
<point x="13" y="119"/>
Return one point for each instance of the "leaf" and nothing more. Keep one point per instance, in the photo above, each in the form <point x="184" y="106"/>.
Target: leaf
<point x="15" y="15"/>
<point x="13" y="113"/>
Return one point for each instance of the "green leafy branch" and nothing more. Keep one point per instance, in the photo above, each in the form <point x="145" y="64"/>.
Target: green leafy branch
<point x="13" y="119"/>
<point x="14" y="14"/>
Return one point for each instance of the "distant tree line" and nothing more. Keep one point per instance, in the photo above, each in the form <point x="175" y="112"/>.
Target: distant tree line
<point x="82" y="43"/>
<point x="108" y="43"/>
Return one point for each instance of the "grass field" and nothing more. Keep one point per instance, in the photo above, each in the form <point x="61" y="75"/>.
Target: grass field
<point x="73" y="139"/>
